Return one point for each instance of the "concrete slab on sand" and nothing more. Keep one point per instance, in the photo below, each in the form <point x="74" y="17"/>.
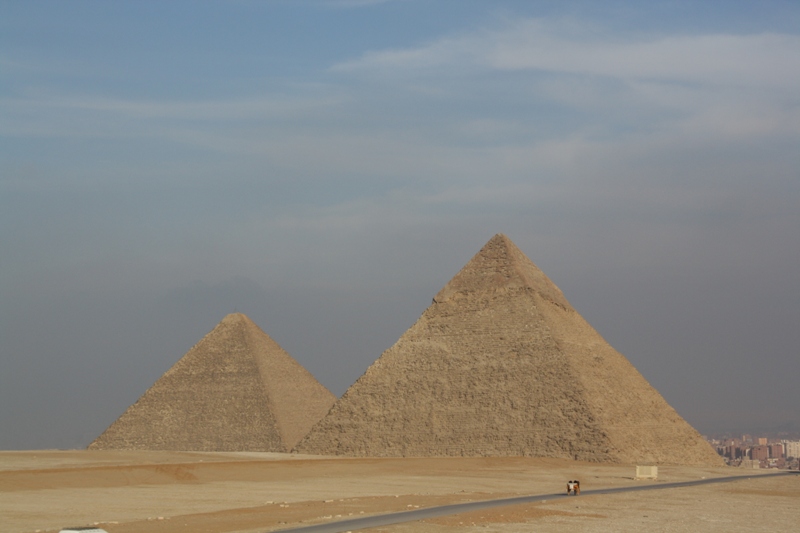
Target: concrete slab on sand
<point x="181" y="492"/>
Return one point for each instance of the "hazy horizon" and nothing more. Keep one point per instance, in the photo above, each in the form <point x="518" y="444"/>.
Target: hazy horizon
<point x="326" y="166"/>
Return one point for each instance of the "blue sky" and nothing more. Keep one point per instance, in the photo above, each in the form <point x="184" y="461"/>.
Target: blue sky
<point x="327" y="166"/>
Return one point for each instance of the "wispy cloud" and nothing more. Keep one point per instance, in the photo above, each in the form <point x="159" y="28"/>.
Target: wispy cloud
<point x="758" y="60"/>
<point x="349" y="4"/>
<point x="233" y="109"/>
<point x="617" y="102"/>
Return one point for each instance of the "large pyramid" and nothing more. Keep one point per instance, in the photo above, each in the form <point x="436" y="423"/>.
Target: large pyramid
<point x="235" y="390"/>
<point x="501" y="364"/>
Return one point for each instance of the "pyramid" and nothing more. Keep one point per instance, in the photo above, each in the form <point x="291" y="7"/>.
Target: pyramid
<point x="500" y="364"/>
<point x="235" y="390"/>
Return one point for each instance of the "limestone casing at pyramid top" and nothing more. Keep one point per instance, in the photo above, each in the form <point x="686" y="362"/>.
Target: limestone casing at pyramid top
<point x="501" y="266"/>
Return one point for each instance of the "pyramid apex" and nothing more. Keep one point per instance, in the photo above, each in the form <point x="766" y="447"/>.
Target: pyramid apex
<point x="501" y="266"/>
<point x="236" y="317"/>
<point x="500" y="237"/>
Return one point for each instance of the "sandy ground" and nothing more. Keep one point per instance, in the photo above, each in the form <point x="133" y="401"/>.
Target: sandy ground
<point x="170" y="492"/>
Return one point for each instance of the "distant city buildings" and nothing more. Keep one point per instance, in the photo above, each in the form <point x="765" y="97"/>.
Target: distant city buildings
<point x="791" y="449"/>
<point x="758" y="452"/>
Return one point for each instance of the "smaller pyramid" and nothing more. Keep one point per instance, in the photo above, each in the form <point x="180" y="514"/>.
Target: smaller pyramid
<point x="235" y="390"/>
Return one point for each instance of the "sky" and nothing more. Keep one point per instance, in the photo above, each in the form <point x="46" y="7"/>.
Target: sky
<point x="326" y="166"/>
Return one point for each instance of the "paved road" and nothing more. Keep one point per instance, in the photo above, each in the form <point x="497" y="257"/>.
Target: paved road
<point x="433" y="512"/>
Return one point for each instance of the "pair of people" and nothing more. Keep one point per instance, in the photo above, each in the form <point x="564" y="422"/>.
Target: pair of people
<point x="573" y="487"/>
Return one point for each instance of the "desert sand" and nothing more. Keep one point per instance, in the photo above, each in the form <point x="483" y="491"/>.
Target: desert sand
<point x="247" y="492"/>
